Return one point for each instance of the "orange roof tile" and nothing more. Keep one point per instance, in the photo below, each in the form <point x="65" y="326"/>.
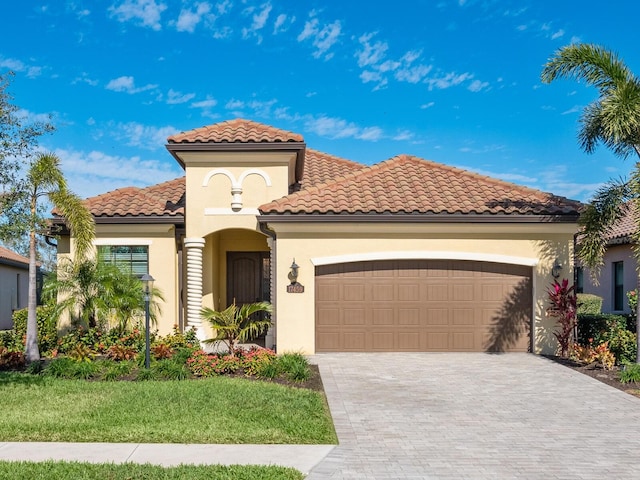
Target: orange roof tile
<point x="321" y="167"/>
<point x="410" y="185"/>
<point x="622" y="231"/>
<point x="236" y="131"/>
<point x="164" y="199"/>
<point x="11" y="256"/>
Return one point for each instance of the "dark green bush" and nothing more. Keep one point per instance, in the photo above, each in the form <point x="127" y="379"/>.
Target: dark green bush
<point x="589" y="304"/>
<point x="631" y="373"/>
<point x="47" y="327"/>
<point x="596" y="327"/>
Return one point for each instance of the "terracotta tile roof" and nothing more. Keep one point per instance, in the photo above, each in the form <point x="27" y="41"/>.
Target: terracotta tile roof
<point x="13" y="257"/>
<point x="622" y="231"/>
<point x="163" y="199"/>
<point x="167" y="199"/>
<point x="321" y="167"/>
<point x="410" y="185"/>
<point x="236" y="131"/>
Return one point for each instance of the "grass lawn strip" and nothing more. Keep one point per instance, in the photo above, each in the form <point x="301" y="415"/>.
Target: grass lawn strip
<point x="214" y="410"/>
<point x="107" y="471"/>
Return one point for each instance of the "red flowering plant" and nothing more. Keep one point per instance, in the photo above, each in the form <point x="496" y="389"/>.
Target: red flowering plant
<point x="562" y="298"/>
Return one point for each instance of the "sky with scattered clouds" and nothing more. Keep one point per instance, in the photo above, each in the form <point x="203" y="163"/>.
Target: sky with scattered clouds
<point x="453" y="81"/>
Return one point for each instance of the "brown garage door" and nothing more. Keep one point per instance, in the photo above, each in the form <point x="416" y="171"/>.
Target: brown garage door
<point x="423" y="305"/>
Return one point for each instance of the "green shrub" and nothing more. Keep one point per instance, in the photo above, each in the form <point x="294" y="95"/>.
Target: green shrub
<point x="47" y="327"/>
<point x="596" y="327"/>
<point x="294" y="366"/>
<point x="10" y="340"/>
<point x="167" y="369"/>
<point x="66" y="367"/>
<point x="623" y="344"/>
<point x="589" y="304"/>
<point x="631" y="373"/>
<point x="116" y="370"/>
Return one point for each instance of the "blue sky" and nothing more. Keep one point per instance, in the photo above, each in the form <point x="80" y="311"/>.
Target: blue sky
<point x="454" y="81"/>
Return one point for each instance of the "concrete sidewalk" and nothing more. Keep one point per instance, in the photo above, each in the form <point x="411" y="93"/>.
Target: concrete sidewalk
<point x="300" y="457"/>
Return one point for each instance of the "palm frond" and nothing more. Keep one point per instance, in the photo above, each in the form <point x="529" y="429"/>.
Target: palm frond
<point x="608" y="205"/>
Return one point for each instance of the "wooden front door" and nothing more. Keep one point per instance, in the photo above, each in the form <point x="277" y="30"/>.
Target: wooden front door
<point x="248" y="278"/>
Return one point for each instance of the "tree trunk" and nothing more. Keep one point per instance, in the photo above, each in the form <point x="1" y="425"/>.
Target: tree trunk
<point x="31" y="353"/>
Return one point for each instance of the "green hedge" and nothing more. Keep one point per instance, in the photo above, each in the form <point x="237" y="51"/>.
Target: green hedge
<point x="589" y="304"/>
<point x="47" y="327"/>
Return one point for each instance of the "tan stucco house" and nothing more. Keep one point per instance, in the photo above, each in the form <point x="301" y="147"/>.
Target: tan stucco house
<point x="14" y="285"/>
<point x="618" y="273"/>
<point x="404" y="255"/>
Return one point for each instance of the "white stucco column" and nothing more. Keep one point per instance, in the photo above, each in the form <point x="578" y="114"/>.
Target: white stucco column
<point x="194" y="247"/>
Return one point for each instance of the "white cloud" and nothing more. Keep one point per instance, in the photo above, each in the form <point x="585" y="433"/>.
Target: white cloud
<point x="251" y="108"/>
<point x="205" y="103"/>
<point x="146" y="13"/>
<point x="142" y="136"/>
<point x="127" y="84"/>
<point x="174" y="98"/>
<point x="92" y="173"/>
<point x="448" y="80"/>
<point x="335" y="128"/>
<point x="403" y="135"/>
<point x="477" y="86"/>
<point x="84" y="78"/>
<point x="574" y="109"/>
<point x="558" y="34"/>
<point x="282" y="23"/>
<point x="32" y="117"/>
<point x="31" y="71"/>
<point x="371" y="54"/>
<point x="259" y="20"/>
<point x="205" y="106"/>
<point x="189" y="19"/>
<point x="427" y="105"/>
<point x="322" y="38"/>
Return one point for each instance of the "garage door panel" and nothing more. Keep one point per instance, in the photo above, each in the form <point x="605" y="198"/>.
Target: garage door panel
<point x="437" y="316"/>
<point x="423" y="305"/>
<point x="409" y="316"/>
<point x="353" y="316"/>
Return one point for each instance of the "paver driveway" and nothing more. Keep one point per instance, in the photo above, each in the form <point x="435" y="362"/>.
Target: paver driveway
<point x="478" y="416"/>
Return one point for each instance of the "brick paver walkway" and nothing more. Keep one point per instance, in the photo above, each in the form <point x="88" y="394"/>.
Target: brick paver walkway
<point x="475" y="416"/>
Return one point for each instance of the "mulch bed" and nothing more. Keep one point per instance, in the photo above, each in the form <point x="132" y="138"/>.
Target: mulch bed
<point x="610" y="377"/>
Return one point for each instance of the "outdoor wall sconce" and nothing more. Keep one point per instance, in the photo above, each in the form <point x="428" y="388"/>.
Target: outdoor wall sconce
<point x="294" y="286"/>
<point x="556" y="269"/>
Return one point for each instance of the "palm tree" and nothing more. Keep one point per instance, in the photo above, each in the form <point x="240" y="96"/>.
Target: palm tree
<point x="613" y="119"/>
<point x="96" y="293"/>
<point x="45" y="180"/>
<point x="236" y="324"/>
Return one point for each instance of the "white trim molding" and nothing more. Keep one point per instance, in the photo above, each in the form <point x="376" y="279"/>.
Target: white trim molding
<point x="229" y="211"/>
<point x="122" y="241"/>
<point x="236" y="185"/>
<point x="425" y="255"/>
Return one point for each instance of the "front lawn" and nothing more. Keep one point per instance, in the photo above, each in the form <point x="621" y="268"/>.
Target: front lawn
<point x="106" y="471"/>
<point x="210" y="410"/>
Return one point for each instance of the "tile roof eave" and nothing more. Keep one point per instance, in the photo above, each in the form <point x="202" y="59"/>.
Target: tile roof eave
<point x="389" y="217"/>
<point x="169" y="219"/>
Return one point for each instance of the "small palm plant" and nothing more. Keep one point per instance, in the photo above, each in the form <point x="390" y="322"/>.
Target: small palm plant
<point x="237" y="324"/>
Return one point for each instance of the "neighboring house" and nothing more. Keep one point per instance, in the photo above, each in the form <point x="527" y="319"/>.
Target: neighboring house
<point x="618" y="274"/>
<point x="404" y="255"/>
<point x="14" y="284"/>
